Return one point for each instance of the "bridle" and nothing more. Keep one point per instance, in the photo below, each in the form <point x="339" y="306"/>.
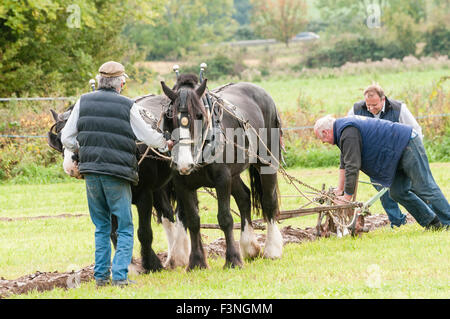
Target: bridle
<point x="210" y="124"/>
<point x="183" y="118"/>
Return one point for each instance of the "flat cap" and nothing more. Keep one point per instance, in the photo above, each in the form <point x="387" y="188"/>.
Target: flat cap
<point x="112" y="69"/>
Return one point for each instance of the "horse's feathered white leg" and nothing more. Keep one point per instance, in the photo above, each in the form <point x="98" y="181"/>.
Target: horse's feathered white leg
<point x="179" y="252"/>
<point x="169" y="229"/>
<point x="248" y="243"/>
<point x="274" y="242"/>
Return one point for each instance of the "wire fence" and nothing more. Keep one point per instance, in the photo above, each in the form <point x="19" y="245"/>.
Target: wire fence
<point x="63" y="98"/>
<point x="72" y="98"/>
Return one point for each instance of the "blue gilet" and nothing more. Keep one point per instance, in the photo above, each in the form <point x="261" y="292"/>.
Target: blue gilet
<point x="391" y="111"/>
<point x="383" y="143"/>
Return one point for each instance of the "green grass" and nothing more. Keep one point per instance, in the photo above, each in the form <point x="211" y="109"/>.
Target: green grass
<point x="336" y="95"/>
<point x="408" y="262"/>
<point x="332" y="94"/>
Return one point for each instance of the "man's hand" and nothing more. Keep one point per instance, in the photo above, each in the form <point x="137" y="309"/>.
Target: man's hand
<point x="342" y="200"/>
<point x="167" y="147"/>
<point x="169" y="144"/>
<point x="338" y="192"/>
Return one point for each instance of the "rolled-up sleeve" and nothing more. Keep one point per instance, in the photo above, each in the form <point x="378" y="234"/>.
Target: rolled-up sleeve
<point x="351" y="146"/>
<point x="143" y="131"/>
<point x="407" y="118"/>
<point x="70" y="132"/>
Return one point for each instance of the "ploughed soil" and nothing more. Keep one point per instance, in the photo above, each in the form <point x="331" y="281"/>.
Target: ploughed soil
<point x="42" y="281"/>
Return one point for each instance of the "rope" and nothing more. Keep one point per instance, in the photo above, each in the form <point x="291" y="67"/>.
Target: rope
<point x="282" y="170"/>
<point x="145" y="155"/>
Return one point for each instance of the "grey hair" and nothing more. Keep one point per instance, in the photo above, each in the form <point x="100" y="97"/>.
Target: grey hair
<point x="324" y="123"/>
<point x="114" y="83"/>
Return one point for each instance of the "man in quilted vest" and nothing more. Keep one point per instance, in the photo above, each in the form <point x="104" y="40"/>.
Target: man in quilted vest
<point x="377" y="105"/>
<point x="392" y="155"/>
<point x="103" y="128"/>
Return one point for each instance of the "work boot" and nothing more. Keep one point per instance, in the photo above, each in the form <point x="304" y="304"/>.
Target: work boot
<point x="124" y="282"/>
<point x="102" y="282"/>
<point x="434" y="225"/>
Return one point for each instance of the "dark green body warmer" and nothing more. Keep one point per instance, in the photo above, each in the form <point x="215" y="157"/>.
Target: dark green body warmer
<point x="107" y="142"/>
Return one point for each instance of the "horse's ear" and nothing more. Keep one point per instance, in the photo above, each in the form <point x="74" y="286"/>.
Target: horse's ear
<point x="201" y="89"/>
<point x="55" y="115"/>
<point x="168" y="91"/>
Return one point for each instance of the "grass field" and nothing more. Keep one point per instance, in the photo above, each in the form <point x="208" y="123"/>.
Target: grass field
<point x="402" y="263"/>
<point x="335" y="93"/>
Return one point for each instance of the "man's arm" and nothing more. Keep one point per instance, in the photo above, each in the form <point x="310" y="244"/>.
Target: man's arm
<point x="351" y="111"/>
<point x="69" y="132"/>
<point x="407" y="118"/>
<point x="350" y="145"/>
<point x="143" y="131"/>
<point x="339" y="191"/>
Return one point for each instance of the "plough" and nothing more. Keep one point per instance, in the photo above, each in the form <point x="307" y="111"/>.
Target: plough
<point x="341" y="219"/>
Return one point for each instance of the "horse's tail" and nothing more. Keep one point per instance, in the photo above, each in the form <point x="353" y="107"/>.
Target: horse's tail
<point x="255" y="189"/>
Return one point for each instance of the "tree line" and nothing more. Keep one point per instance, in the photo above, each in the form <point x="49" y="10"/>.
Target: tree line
<point x="53" y="46"/>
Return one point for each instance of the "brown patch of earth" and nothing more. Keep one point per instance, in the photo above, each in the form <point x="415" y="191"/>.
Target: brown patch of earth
<point x="43" y="281"/>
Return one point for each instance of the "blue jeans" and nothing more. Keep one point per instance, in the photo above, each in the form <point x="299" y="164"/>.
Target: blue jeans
<point x="396" y="217"/>
<point x="415" y="188"/>
<point x="109" y="195"/>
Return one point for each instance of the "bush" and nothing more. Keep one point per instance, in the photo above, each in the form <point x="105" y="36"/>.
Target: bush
<point x="32" y="173"/>
<point x="437" y="40"/>
<point x="244" y="32"/>
<point x="438" y="148"/>
<point x="313" y="156"/>
<point x="355" y="50"/>
<point x="218" y="66"/>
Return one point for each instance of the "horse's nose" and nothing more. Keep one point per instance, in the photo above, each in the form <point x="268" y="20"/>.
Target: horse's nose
<point x="186" y="170"/>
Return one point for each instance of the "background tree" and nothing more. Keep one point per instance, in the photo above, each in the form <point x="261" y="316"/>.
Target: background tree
<point x="184" y="26"/>
<point x="242" y="14"/>
<point x="279" y="19"/>
<point x="55" y="46"/>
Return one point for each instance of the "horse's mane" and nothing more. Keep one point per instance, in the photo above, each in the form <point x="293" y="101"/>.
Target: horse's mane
<point x="189" y="80"/>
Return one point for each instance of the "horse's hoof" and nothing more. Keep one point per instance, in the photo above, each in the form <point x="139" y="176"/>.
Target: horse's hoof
<point x="233" y="265"/>
<point x="153" y="269"/>
<point x="173" y="263"/>
<point x="253" y="251"/>
<point x="273" y="253"/>
<point x="155" y="266"/>
<point x="199" y="266"/>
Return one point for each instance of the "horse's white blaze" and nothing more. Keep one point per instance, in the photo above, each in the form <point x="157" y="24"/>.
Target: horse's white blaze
<point x="185" y="159"/>
<point x="248" y="243"/>
<point x="69" y="165"/>
<point x="181" y="248"/>
<point x="274" y="242"/>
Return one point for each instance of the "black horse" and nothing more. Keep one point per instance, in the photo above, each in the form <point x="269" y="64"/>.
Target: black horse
<point x="153" y="190"/>
<point x="186" y="115"/>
